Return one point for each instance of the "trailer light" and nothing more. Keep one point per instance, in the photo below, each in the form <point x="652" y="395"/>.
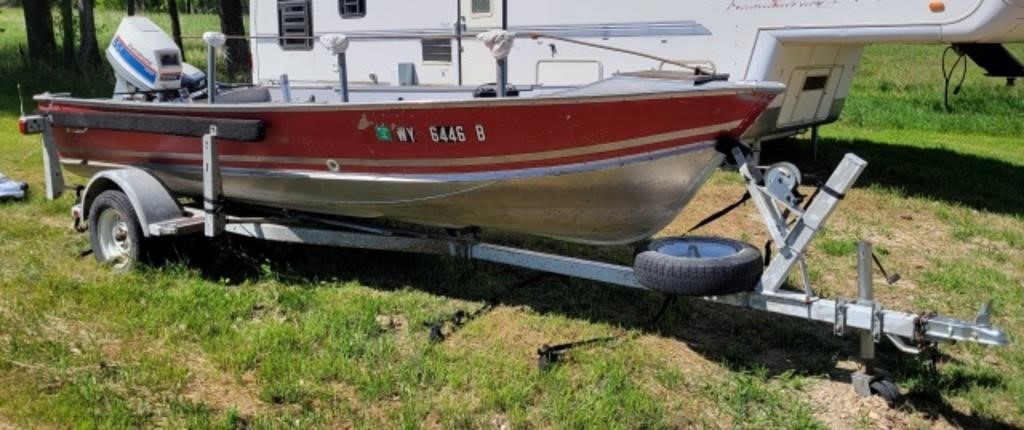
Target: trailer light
<point x="30" y="125"/>
<point x="937" y="6"/>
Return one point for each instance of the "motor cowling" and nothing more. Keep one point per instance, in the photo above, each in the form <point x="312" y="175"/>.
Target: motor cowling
<point x="145" y="59"/>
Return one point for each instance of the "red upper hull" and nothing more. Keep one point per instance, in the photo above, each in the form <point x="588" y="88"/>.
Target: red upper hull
<point x="468" y="137"/>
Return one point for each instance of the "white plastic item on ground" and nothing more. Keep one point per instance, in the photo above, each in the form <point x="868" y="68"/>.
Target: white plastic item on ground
<point x="499" y="42"/>
<point x="11" y="190"/>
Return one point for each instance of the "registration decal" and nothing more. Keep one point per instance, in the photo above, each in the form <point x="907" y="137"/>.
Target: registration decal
<point x="383" y="133"/>
<point x="456" y="134"/>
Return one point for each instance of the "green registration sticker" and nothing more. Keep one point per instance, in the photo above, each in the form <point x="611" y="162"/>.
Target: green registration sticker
<point x="383" y="133"/>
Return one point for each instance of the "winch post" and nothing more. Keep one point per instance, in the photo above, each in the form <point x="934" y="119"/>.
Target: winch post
<point x="213" y="190"/>
<point x="797" y="239"/>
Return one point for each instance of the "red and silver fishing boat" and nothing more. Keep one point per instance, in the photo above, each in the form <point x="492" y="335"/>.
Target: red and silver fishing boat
<point x="608" y="163"/>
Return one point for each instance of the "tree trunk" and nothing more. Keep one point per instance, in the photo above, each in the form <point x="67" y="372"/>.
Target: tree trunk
<point x="67" y="18"/>
<point x="131" y="7"/>
<point x="39" y="27"/>
<point x="172" y="9"/>
<point x="188" y="7"/>
<point x="231" y="24"/>
<point x="89" y="52"/>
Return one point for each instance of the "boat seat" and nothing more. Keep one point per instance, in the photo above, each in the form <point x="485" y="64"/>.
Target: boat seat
<point x="245" y="95"/>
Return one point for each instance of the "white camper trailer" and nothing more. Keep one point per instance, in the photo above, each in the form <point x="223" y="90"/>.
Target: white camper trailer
<point x="812" y="46"/>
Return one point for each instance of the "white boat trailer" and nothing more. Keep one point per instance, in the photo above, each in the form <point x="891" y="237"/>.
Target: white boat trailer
<point x="790" y="227"/>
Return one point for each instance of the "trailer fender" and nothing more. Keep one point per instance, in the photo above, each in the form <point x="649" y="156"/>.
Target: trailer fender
<point x="152" y="201"/>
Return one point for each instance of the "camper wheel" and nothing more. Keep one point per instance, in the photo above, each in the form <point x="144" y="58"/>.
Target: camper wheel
<point x="698" y="266"/>
<point x="114" y="230"/>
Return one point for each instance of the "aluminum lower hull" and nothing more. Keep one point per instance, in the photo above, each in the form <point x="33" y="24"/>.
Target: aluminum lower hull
<point x="599" y="205"/>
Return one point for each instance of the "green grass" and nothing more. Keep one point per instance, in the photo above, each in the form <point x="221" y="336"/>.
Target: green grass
<point x="253" y="335"/>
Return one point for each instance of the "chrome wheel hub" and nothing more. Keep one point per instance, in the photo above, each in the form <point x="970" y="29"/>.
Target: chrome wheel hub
<point x="114" y="240"/>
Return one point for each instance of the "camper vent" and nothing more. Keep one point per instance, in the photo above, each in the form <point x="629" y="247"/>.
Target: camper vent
<point x="437" y="50"/>
<point x="295" y="19"/>
<point x="481" y="7"/>
<point x="352" y="8"/>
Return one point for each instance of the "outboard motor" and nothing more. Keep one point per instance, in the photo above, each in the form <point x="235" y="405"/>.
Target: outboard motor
<point x="147" y="63"/>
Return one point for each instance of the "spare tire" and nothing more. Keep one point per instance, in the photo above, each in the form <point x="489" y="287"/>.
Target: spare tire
<point x="698" y="266"/>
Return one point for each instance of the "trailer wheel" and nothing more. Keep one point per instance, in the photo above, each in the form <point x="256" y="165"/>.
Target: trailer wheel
<point x="698" y="266"/>
<point x="114" y="231"/>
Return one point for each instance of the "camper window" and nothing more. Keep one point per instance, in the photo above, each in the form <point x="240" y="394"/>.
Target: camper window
<point x="295" y="25"/>
<point x="481" y="7"/>
<point x="352" y="8"/>
<point x="437" y="50"/>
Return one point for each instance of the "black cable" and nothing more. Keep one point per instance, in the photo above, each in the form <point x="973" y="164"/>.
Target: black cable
<point x="947" y="74"/>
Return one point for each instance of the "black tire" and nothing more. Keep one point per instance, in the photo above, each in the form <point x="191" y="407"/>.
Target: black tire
<point x="734" y="267"/>
<point x="121" y="249"/>
<point x="887" y="390"/>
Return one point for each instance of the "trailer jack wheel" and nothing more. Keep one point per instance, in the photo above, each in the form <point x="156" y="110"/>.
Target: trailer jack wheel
<point x="888" y="391"/>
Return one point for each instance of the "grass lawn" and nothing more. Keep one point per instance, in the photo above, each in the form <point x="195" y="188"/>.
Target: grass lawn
<point x="251" y="335"/>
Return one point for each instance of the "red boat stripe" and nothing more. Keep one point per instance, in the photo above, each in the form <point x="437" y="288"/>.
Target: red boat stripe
<point x="449" y="162"/>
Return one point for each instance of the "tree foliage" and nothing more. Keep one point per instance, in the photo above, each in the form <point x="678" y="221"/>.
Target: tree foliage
<point x="80" y="15"/>
<point x="161" y="6"/>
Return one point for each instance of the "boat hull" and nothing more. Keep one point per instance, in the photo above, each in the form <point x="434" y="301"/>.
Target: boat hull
<point x="592" y="168"/>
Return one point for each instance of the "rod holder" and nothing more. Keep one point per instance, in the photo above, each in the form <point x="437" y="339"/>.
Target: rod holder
<point x="343" y="76"/>
<point x="214" y="41"/>
<point x="502" y="78"/>
<point x="286" y="88"/>
<point x="211" y="74"/>
<point x="337" y="44"/>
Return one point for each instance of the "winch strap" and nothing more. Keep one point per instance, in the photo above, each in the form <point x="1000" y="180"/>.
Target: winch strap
<point x="828" y="190"/>
<point x="715" y="216"/>
<point x="244" y="130"/>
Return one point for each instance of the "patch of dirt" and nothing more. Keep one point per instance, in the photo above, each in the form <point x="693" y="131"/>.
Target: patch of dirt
<point x="506" y="331"/>
<point x="679" y="355"/>
<point x="393" y="323"/>
<point x="6" y="425"/>
<point x="837" y="406"/>
<point x="501" y="422"/>
<point x="210" y="386"/>
<point x="685" y="409"/>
